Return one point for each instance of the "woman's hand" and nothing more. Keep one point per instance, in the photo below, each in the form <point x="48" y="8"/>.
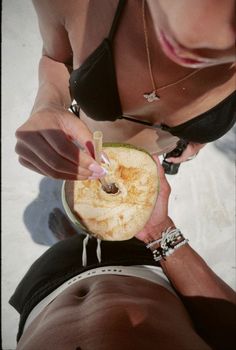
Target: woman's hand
<point x="46" y="144"/>
<point x="189" y="153"/>
<point x="159" y="220"/>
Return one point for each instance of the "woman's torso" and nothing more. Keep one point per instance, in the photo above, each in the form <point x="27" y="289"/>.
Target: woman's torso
<point x="88" y="23"/>
<point x="113" y="312"/>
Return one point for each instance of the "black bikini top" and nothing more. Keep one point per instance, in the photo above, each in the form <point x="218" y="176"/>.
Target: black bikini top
<point x="94" y="87"/>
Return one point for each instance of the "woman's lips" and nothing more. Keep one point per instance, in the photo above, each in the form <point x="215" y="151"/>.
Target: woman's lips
<point x="180" y="55"/>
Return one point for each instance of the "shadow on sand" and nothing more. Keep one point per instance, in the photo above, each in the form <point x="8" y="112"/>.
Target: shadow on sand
<point x="45" y="217"/>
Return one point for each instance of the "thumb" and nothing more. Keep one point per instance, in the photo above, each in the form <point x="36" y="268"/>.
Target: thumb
<point x="164" y="184"/>
<point x="76" y="128"/>
<point x="78" y="132"/>
<point x="160" y="169"/>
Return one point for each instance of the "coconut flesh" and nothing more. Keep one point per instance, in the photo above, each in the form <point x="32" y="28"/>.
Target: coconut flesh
<point x="120" y="215"/>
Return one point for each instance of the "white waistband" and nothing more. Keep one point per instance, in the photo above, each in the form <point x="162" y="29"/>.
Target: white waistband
<point x="147" y="272"/>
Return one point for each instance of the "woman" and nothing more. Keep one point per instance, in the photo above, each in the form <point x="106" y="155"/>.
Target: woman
<point x="144" y="72"/>
<point x="132" y="298"/>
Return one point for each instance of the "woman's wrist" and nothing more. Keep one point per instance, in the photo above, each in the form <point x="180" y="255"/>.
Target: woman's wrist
<point x="164" y="225"/>
<point x="166" y="242"/>
<point x="48" y="107"/>
<point x="50" y="97"/>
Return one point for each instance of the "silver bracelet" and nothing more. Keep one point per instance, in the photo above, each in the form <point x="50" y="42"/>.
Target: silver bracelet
<point x="171" y="239"/>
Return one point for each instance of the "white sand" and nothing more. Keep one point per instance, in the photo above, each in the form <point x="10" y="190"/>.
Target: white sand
<point x="203" y="196"/>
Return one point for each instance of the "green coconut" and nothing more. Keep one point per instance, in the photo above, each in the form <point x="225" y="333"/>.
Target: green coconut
<point x="120" y="215"/>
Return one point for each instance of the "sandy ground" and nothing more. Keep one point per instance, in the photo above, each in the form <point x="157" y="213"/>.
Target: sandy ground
<point x="203" y="193"/>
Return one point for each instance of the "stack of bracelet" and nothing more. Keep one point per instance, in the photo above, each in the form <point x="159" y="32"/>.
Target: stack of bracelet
<point x="171" y="239"/>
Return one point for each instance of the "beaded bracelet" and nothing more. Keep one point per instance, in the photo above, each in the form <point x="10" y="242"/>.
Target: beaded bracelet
<point x="171" y="239"/>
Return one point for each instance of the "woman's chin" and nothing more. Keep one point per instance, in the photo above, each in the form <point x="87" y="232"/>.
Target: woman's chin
<point x="170" y="50"/>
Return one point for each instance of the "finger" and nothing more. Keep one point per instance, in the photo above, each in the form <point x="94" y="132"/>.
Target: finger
<point x="31" y="159"/>
<point x="161" y="206"/>
<point x="47" y="172"/>
<point x="175" y="160"/>
<point x="160" y="168"/>
<point x="48" y="156"/>
<point x="74" y="151"/>
<point x="78" y="132"/>
<point x="29" y="165"/>
<point x="90" y="148"/>
<point x="68" y="148"/>
<point x="74" y="128"/>
<point x="82" y="159"/>
<point x="164" y="184"/>
<point x="64" y="149"/>
<point x="188" y="152"/>
<point x="70" y="153"/>
<point x="181" y="159"/>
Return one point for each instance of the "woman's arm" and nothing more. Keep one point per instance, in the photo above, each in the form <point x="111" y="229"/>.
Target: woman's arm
<point x="56" y="54"/>
<point x="44" y="141"/>
<point x="208" y="299"/>
<point x="53" y="85"/>
<point x="191" y="276"/>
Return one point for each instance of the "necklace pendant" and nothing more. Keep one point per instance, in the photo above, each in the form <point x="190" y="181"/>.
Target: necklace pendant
<point x="151" y="96"/>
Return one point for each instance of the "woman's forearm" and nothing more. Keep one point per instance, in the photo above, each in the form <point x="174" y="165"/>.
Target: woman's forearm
<point x="209" y="300"/>
<point x="53" y="90"/>
<point x="191" y="276"/>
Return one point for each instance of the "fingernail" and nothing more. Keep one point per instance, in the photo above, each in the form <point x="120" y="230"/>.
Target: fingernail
<point x="97" y="170"/>
<point x="90" y="148"/>
<point x="105" y="159"/>
<point x="93" y="177"/>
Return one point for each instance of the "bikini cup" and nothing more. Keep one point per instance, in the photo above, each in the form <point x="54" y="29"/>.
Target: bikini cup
<point x="94" y="85"/>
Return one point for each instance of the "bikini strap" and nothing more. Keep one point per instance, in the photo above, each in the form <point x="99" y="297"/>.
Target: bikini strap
<point x="143" y="122"/>
<point x="116" y="19"/>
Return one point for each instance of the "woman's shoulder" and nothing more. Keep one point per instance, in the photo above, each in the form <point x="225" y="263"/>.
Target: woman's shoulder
<point x="58" y="6"/>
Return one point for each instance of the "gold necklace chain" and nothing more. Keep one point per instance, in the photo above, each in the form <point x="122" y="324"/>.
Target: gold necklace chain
<point x="152" y="96"/>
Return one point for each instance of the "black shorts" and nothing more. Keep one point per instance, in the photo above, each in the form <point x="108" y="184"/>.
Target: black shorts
<point x="63" y="260"/>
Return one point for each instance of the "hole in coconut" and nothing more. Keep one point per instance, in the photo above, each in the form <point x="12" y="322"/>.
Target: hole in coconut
<point x="110" y="188"/>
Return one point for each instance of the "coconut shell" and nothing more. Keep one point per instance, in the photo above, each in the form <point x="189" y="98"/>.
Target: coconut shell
<point x="121" y="215"/>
